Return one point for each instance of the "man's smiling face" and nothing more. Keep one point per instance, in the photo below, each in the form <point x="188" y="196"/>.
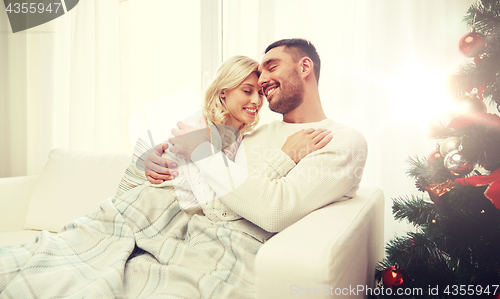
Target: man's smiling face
<point x="280" y="80"/>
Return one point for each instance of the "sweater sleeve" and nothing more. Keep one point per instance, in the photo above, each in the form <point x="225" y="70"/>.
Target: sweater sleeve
<point x="135" y="174"/>
<point x="276" y="193"/>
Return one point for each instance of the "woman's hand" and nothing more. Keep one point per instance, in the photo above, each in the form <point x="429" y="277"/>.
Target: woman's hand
<point x="304" y="142"/>
<point x="157" y="168"/>
<point x="187" y="139"/>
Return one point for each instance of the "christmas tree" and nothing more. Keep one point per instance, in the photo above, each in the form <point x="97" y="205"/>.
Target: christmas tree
<point x="455" y="249"/>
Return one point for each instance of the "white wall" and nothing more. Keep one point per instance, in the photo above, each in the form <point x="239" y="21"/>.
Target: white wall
<point x="165" y="48"/>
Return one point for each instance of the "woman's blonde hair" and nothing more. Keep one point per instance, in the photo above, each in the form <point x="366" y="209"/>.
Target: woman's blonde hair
<point x="229" y="76"/>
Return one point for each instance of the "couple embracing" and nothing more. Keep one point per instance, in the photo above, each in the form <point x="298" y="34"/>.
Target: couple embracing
<point x="273" y="190"/>
<point x="209" y="197"/>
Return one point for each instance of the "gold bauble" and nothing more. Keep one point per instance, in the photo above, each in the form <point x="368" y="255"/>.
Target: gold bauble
<point x="469" y="104"/>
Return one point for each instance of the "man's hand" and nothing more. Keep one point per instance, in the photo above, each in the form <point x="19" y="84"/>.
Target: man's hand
<point x="304" y="142"/>
<point x="155" y="166"/>
<point x="187" y="139"/>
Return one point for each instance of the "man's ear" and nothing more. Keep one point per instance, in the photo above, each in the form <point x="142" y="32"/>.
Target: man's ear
<point x="306" y="67"/>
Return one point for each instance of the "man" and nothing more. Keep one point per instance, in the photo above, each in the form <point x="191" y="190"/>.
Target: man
<point x="277" y="192"/>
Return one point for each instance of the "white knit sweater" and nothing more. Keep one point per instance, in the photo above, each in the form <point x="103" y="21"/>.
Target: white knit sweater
<point x="273" y="192"/>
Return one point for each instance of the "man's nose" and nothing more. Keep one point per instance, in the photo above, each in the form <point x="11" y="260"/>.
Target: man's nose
<point x="263" y="79"/>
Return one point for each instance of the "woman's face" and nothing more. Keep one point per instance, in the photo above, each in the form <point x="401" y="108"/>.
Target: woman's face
<point x="244" y="101"/>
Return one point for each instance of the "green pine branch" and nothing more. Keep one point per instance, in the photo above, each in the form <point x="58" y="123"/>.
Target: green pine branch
<point x="484" y="16"/>
<point x="481" y="144"/>
<point x="414" y="209"/>
<point x="439" y="130"/>
<point x="427" y="173"/>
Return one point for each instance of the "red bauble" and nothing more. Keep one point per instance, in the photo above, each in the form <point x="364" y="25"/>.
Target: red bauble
<point x="472" y="44"/>
<point x="434" y="156"/>
<point x="393" y="277"/>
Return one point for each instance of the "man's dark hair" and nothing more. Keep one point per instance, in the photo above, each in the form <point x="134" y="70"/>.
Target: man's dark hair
<point x="299" y="48"/>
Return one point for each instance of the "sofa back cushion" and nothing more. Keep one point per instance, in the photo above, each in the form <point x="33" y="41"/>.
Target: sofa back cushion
<point x="71" y="185"/>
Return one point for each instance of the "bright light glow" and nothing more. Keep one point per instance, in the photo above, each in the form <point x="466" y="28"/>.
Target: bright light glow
<point x="419" y="95"/>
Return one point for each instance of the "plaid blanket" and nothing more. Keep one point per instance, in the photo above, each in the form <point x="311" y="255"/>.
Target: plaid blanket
<point x="140" y="245"/>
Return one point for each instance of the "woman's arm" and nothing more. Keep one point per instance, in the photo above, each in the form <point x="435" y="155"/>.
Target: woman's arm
<point x="158" y="168"/>
<point x="304" y="142"/>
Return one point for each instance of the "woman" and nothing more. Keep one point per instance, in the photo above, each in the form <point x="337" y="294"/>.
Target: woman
<point x="231" y="106"/>
<point x="143" y="244"/>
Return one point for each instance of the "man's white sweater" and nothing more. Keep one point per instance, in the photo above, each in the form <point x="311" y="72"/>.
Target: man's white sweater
<point x="267" y="188"/>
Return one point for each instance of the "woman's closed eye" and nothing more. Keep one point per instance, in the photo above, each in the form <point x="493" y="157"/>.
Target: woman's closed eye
<point x="251" y="91"/>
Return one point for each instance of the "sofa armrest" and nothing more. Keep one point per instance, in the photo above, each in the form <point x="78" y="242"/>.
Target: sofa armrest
<point x="15" y="194"/>
<point x="333" y="249"/>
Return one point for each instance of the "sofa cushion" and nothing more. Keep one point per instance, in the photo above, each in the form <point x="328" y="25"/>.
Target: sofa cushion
<point x="134" y="174"/>
<point x="71" y="185"/>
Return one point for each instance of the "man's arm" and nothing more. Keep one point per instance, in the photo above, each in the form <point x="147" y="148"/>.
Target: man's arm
<point x="276" y="193"/>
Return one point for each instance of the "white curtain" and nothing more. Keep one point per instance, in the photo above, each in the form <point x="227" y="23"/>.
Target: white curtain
<point x="384" y="65"/>
<point x="73" y="82"/>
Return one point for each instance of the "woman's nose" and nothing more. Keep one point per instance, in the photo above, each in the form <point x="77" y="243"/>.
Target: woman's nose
<point x="255" y="99"/>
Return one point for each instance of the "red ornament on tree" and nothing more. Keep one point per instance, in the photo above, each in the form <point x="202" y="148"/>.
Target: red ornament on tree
<point x="439" y="192"/>
<point x="393" y="277"/>
<point x="434" y="156"/>
<point x="472" y="44"/>
<point x="492" y="181"/>
<point x="487" y="119"/>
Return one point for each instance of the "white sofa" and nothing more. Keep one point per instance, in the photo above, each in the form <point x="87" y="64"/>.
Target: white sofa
<point x="332" y="251"/>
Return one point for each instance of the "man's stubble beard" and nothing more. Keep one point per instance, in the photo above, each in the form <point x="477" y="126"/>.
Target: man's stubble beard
<point x="289" y="97"/>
